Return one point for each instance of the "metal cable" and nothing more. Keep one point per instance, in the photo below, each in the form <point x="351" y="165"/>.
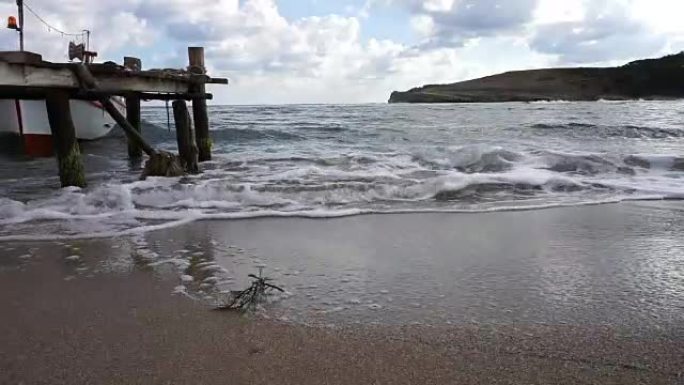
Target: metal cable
<point x="51" y="27"/>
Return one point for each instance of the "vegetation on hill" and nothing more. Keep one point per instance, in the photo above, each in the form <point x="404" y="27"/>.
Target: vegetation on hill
<point x="661" y="78"/>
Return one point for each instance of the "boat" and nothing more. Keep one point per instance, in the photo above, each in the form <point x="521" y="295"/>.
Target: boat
<point x="28" y="119"/>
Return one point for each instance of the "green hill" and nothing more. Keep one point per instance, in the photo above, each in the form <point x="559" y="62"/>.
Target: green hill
<point x="661" y="78"/>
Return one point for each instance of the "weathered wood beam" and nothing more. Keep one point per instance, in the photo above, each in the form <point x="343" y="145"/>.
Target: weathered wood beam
<point x="35" y="93"/>
<point x="199" y="105"/>
<point x="186" y="144"/>
<point x="116" y="84"/>
<point x="133" y="109"/>
<point x="218" y="81"/>
<point x="23" y="75"/>
<point x="130" y="131"/>
<point x="133" y="117"/>
<point x="89" y="82"/>
<point x="187" y="96"/>
<point x="71" y="171"/>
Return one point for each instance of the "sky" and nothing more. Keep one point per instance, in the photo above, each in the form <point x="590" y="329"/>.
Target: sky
<point x="356" y="51"/>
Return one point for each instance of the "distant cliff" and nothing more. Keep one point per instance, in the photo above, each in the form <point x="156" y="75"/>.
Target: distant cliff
<point x="644" y="79"/>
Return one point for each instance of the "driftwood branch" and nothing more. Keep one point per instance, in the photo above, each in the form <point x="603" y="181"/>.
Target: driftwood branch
<point x="249" y="298"/>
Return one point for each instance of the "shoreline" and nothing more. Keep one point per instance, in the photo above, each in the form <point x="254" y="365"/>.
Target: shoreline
<point x="102" y="310"/>
<point x="126" y="328"/>
<point x="242" y="216"/>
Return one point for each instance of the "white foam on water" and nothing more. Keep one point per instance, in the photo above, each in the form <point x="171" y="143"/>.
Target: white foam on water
<point x="187" y="278"/>
<point x="559" y="101"/>
<point x="456" y="179"/>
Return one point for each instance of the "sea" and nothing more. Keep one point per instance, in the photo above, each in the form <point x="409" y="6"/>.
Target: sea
<point x="338" y="160"/>
<point x="349" y="161"/>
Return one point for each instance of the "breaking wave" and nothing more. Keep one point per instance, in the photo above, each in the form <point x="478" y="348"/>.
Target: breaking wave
<point x="625" y="131"/>
<point x="466" y="179"/>
<point x="331" y="161"/>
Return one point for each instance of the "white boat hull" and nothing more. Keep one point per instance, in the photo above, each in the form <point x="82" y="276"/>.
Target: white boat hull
<point x="28" y="118"/>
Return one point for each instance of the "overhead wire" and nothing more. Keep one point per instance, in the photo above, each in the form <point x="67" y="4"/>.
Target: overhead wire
<point x="52" y="27"/>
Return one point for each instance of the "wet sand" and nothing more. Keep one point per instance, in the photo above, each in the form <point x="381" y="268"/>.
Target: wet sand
<point x="103" y="319"/>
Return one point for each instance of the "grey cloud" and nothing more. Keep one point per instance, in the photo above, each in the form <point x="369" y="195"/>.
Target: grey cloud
<point x="485" y="16"/>
<point x="191" y="32"/>
<point x="607" y="33"/>
<point x="474" y="18"/>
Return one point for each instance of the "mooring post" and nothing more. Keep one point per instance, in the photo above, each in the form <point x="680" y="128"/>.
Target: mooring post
<point x="186" y="145"/>
<point x="199" y="105"/>
<point x="133" y="109"/>
<point x="71" y="171"/>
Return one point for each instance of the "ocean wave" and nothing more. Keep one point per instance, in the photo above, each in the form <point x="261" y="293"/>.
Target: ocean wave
<point x="471" y="159"/>
<point x="582" y="164"/>
<point x="187" y="218"/>
<point x="656" y="162"/>
<point x="320" y="162"/>
<point x="624" y="131"/>
<point x="536" y="180"/>
<point x="559" y="101"/>
<point x="248" y="134"/>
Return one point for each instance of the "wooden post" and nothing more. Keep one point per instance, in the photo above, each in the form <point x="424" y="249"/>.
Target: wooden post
<point x="133" y="117"/>
<point x="132" y="63"/>
<point x="186" y="145"/>
<point x="199" y="105"/>
<point x="71" y="171"/>
<point x="133" y="109"/>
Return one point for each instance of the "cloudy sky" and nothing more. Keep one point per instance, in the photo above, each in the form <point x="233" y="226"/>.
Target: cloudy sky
<point x="334" y="51"/>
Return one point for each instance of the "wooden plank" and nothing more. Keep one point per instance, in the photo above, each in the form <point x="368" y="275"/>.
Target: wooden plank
<point x="116" y="82"/>
<point x="36" y="93"/>
<point x="27" y="76"/>
<point x="218" y="81"/>
<point x="20" y="57"/>
<point x="19" y="75"/>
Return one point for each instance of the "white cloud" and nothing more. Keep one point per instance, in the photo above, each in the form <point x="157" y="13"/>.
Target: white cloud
<point x="603" y="31"/>
<point x="328" y="59"/>
<point x="423" y="25"/>
<point x="114" y="25"/>
<point x="554" y="11"/>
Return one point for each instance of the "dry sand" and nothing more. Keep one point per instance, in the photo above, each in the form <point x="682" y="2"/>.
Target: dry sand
<point x="126" y="328"/>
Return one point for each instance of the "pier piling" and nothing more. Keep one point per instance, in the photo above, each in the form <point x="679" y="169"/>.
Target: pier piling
<point x="186" y="146"/>
<point x="88" y="81"/>
<point x="71" y="171"/>
<point x="199" y="104"/>
<point x="25" y="76"/>
<point x="133" y="109"/>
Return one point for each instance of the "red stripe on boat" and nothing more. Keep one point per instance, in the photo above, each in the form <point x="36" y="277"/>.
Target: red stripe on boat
<point x="37" y="145"/>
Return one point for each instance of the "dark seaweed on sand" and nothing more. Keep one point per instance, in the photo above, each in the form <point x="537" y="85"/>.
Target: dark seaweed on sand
<point x="249" y="298"/>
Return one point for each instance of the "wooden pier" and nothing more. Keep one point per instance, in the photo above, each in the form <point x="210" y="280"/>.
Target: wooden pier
<point x="24" y="75"/>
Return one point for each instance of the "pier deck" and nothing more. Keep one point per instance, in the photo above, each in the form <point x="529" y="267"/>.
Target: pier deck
<point x="25" y="75"/>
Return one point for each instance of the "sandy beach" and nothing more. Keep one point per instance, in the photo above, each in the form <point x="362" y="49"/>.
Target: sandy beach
<point x="86" y="312"/>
